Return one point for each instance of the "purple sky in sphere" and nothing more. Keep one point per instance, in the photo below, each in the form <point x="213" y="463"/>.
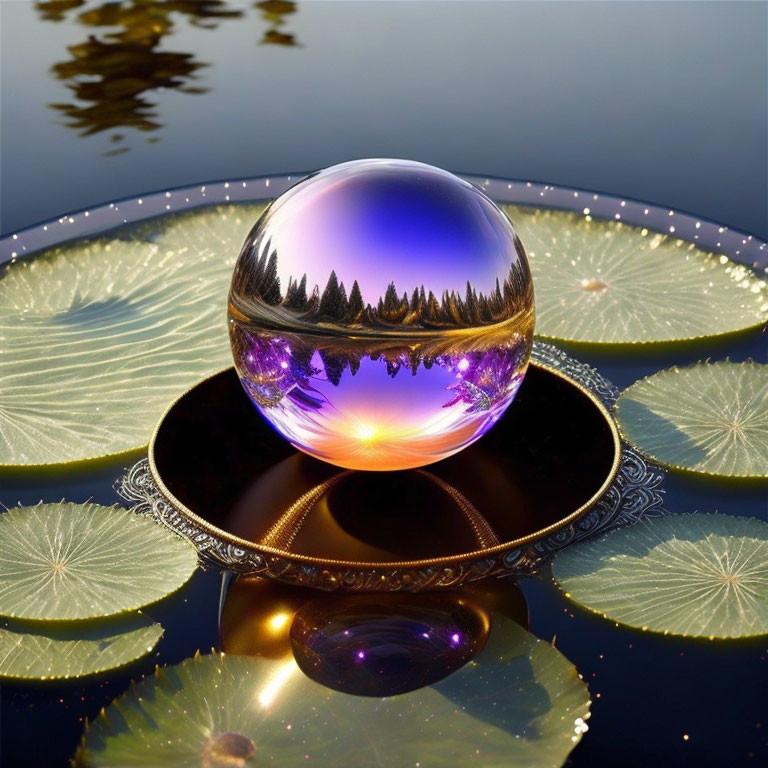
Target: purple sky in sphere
<point x="379" y="221"/>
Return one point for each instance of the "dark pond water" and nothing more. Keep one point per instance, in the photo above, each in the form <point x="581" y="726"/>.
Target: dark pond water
<point x="665" y="102"/>
<point x="630" y="98"/>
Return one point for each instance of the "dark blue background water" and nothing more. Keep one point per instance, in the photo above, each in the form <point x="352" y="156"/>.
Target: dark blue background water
<point x="659" y="101"/>
<point x="666" y="102"/>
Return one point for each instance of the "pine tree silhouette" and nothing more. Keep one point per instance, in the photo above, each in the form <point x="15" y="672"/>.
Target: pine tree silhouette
<point x="415" y="359"/>
<point x="369" y="315"/>
<point x="334" y="366"/>
<point x="313" y="302"/>
<point x="296" y="295"/>
<point x="466" y="308"/>
<point x="393" y="308"/>
<point x="487" y="314"/>
<point x="508" y="291"/>
<point x="433" y="308"/>
<point x="333" y="303"/>
<point x="391" y="299"/>
<point x="269" y="284"/>
<point x="301" y="364"/>
<point x="472" y="309"/>
<point x="355" y="304"/>
<point x="247" y="278"/>
<point x="496" y="302"/>
<point x="449" y="314"/>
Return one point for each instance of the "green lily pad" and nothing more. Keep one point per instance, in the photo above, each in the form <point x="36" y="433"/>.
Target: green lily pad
<point x="98" y="337"/>
<point x="607" y="282"/>
<point x="520" y="703"/>
<point x="45" y="653"/>
<point x="710" y="418"/>
<point x="702" y="575"/>
<point x="79" y="561"/>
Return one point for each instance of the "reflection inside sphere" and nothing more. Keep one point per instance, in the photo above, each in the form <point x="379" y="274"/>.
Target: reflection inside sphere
<point x="381" y="314"/>
<point x="378" y="406"/>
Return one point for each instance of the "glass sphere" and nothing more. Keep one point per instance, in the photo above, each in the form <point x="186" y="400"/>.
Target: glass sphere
<point x="381" y="314"/>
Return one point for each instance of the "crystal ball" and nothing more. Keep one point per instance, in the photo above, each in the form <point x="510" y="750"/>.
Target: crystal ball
<point x="381" y="314"/>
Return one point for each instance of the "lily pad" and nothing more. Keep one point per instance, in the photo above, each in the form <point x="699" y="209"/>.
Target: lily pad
<point x="98" y="337"/>
<point x="710" y="418"/>
<point x="79" y="561"/>
<point x="607" y="282"/>
<point x="520" y="703"/>
<point x="45" y="653"/>
<point x="702" y="575"/>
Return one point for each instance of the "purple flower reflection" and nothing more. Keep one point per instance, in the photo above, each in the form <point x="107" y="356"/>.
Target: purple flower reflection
<point x="485" y="379"/>
<point x="271" y="370"/>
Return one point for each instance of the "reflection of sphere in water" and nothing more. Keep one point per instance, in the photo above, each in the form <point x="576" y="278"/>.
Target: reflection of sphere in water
<point x="381" y="314"/>
<point x="383" y="645"/>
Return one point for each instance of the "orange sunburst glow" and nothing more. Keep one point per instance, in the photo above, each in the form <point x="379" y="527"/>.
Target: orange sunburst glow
<point x="364" y="442"/>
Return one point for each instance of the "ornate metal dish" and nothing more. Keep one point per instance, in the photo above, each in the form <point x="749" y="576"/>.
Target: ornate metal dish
<point x="551" y="472"/>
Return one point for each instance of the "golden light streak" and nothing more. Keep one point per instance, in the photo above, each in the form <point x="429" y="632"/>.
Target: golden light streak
<point x="275" y="684"/>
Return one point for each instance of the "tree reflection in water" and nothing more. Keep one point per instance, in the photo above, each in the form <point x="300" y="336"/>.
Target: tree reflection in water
<point x="113" y="73"/>
<point x="56" y="10"/>
<point x="274" y="12"/>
